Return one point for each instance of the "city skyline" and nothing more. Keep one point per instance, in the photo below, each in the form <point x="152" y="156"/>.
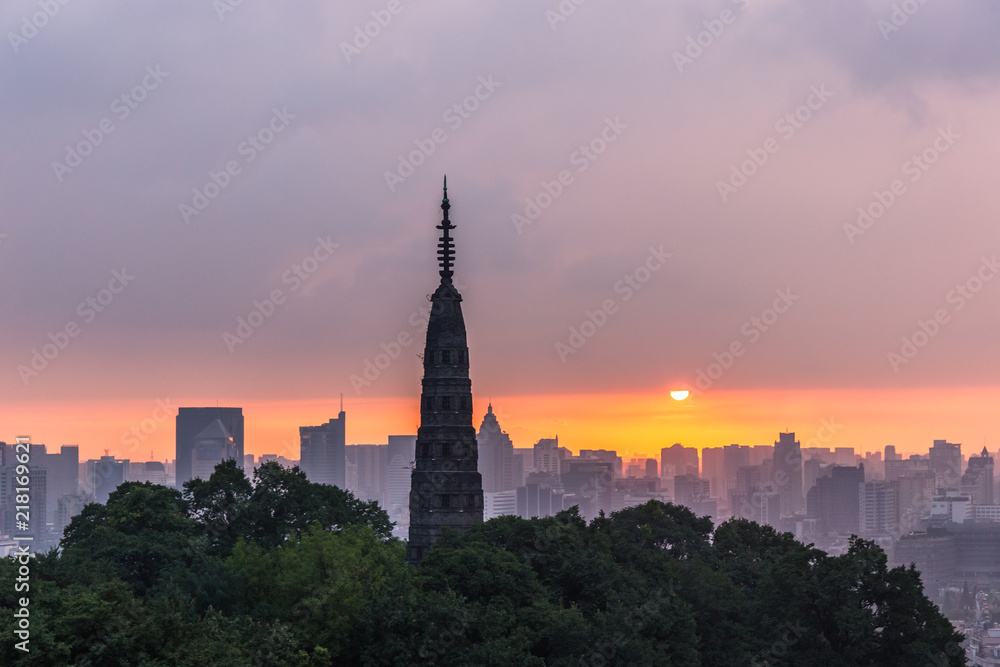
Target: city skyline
<point x="273" y="427"/>
<point x="819" y="225"/>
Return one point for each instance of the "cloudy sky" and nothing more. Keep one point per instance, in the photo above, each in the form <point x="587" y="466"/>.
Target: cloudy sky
<point x="800" y="193"/>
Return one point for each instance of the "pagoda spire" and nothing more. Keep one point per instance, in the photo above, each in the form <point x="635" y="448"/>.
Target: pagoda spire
<point x="446" y="245"/>
<point x="446" y="487"/>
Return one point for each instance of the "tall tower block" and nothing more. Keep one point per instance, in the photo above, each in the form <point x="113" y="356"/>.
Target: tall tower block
<point x="446" y="489"/>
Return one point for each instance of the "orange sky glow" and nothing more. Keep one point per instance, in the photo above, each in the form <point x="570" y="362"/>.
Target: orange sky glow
<point x="632" y="424"/>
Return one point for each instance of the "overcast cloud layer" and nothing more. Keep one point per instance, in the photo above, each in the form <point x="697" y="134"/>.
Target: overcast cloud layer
<point x="681" y="117"/>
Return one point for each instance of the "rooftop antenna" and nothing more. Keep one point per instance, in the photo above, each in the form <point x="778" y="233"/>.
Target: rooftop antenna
<point x="341" y="401"/>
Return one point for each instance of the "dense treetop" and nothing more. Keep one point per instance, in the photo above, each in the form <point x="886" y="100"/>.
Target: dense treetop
<point x="280" y="571"/>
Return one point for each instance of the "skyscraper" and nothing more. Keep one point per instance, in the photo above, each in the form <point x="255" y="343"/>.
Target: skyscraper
<point x="323" y="453"/>
<point x="946" y="464"/>
<point x="212" y="446"/>
<point x="787" y="470"/>
<point x="978" y="478"/>
<point x="191" y="422"/>
<point x="399" y="466"/>
<point x="835" y="500"/>
<point x="496" y="455"/>
<point x="446" y="488"/>
<point x="104" y="475"/>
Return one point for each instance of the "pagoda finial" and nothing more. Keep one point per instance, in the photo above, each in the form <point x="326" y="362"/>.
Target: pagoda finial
<point x="446" y="246"/>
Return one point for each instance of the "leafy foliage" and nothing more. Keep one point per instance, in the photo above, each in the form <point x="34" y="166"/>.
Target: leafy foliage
<point x="280" y="571"/>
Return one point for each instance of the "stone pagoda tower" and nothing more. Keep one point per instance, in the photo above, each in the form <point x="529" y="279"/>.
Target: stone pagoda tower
<point x="446" y="489"/>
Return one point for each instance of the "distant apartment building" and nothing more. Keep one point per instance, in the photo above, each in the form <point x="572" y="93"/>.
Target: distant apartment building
<point x="834" y="500"/>
<point x="678" y="460"/>
<point x="366" y="471"/>
<point x="786" y="470"/>
<point x="323" y="455"/>
<point x="154" y="472"/>
<point x="504" y="503"/>
<point x="946" y="463"/>
<point x="977" y="481"/>
<point x="400" y="455"/>
<point x="878" y="509"/>
<point x="609" y="456"/>
<point x="694" y="493"/>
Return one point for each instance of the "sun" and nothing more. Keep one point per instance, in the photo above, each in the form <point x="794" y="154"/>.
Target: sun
<point x="679" y="395"/>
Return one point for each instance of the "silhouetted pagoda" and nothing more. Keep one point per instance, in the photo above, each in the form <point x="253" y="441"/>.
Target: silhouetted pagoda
<point x="446" y="489"/>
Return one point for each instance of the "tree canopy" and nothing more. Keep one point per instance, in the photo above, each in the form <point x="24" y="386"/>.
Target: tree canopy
<point x="276" y="570"/>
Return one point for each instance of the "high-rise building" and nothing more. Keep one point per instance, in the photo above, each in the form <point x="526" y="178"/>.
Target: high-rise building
<point x="946" y="464"/>
<point x="878" y="509"/>
<point x="446" y="487"/>
<point x="524" y="463"/>
<point x="547" y="456"/>
<point x="719" y="466"/>
<point x="756" y="497"/>
<point x="154" y="472"/>
<point x="210" y="447"/>
<point x="609" y="456"/>
<point x="399" y="456"/>
<point x="787" y="470"/>
<point x="323" y="457"/>
<point x="900" y="467"/>
<point x="104" y="475"/>
<point x="540" y="497"/>
<point x="760" y="454"/>
<point x="501" y="503"/>
<point x="813" y="469"/>
<point x="369" y="463"/>
<point x="62" y="473"/>
<point x="977" y="481"/>
<point x="834" y="501"/>
<point x="914" y="494"/>
<point x="68" y="507"/>
<point x="678" y="460"/>
<point x="591" y="482"/>
<point x="496" y="455"/>
<point x="689" y="489"/>
<point x="191" y="422"/>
